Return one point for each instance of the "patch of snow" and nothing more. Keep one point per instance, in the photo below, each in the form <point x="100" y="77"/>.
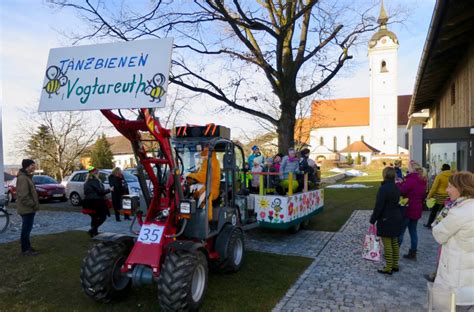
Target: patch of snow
<point x="339" y="186"/>
<point x="337" y="170"/>
<point x="355" y="173"/>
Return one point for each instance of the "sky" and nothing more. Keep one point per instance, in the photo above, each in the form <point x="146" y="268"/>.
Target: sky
<point x="29" y="28"/>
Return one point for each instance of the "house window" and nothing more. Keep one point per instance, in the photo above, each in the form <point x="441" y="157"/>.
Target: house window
<point x="383" y="67"/>
<point x="348" y="140"/>
<point x="132" y="162"/>
<point x="321" y="141"/>
<point x="334" y="144"/>
<point x="362" y="138"/>
<point x="453" y="94"/>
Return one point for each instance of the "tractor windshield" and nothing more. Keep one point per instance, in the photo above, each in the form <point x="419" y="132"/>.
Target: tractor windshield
<point x="190" y="155"/>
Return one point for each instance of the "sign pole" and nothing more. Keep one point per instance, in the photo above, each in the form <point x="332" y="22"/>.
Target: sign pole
<point x="2" y="175"/>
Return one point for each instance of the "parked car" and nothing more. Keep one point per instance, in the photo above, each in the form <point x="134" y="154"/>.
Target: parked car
<point x="134" y="171"/>
<point x="75" y="184"/>
<point x="46" y="187"/>
<point x="10" y="193"/>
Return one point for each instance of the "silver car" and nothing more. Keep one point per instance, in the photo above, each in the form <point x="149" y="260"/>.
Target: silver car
<point x="75" y="184"/>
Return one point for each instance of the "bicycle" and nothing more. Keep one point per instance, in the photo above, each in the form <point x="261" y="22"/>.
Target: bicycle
<point x="4" y="219"/>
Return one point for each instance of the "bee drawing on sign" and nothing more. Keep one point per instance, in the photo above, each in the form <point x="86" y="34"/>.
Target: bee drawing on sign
<point x="57" y="79"/>
<point x="155" y="88"/>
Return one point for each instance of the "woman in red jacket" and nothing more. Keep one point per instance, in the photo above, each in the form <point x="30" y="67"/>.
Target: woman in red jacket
<point x="413" y="188"/>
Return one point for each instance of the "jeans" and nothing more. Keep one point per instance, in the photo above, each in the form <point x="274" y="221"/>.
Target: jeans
<point x="411" y="224"/>
<point x="26" y="227"/>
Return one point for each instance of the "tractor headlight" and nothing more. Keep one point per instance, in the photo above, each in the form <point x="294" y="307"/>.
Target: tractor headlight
<point x="185" y="207"/>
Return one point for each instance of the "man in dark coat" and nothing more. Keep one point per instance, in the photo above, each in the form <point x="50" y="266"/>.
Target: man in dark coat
<point x="388" y="216"/>
<point x="27" y="204"/>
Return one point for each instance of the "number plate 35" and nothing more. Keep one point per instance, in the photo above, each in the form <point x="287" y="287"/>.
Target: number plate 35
<point x="151" y="234"/>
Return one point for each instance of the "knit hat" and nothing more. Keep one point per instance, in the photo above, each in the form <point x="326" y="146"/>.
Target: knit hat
<point x="26" y="163"/>
<point x="305" y="151"/>
<point x="254" y="148"/>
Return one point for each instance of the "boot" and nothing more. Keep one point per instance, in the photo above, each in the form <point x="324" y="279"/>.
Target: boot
<point x="411" y="255"/>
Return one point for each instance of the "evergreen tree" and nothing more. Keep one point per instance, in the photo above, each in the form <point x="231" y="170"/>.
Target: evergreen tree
<point x="349" y="159"/>
<point x="38" y="147"/>
<point x="358" y="159"/>
<point x="101" y="154"/>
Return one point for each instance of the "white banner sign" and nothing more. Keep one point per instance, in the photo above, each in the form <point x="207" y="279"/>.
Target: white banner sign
<point x="107" y="76"/>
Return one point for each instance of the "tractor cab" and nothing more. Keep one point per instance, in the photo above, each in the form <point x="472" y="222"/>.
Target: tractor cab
<point x="210" y="164"/>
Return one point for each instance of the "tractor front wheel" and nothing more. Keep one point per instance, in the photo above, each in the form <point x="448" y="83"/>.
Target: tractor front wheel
<point x="183" y="281"/>
<point x="101" y="278"/>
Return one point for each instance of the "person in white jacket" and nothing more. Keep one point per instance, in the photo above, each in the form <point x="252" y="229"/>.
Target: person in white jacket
<point x="455" y="233"/>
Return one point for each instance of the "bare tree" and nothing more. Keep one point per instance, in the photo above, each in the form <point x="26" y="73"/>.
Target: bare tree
<point x="58" y="140"/>
<point x="250" y="56"/>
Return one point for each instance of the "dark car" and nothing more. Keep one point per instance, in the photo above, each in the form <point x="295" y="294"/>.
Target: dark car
<point x="46" y="187"/>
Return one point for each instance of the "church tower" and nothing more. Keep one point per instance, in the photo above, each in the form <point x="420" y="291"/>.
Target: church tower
<point x="383" y="49"/>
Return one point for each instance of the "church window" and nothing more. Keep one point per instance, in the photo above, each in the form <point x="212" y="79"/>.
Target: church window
<point x="453" y="94"/>
<point x="383" y="67"/>
<point x="321" y="141"/>
<point x="335" y="144"/>
<point x="362" y="138"/>
<point x="348" y="140"/>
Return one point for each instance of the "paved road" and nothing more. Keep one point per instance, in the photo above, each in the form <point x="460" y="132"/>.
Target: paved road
<point x="338" y="280"/>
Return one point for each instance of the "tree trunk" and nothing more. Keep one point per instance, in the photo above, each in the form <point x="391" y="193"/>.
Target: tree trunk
<point x="286" y="128"/>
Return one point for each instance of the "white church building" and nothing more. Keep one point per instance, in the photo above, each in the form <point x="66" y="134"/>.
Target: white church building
<point x="379" y="120"/>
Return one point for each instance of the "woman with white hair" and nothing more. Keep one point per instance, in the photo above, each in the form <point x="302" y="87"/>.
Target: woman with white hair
<point x="454" y="230"/>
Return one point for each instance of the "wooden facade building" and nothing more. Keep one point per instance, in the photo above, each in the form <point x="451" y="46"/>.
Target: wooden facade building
<point x="442" y="107"/>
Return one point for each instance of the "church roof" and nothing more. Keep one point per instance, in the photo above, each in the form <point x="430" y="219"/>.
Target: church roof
<point x="351" y="112"/>
<point x="359" y="147"/>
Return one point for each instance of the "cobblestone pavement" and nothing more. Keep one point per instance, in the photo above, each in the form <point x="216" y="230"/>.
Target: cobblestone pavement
<point x="304" y="243"/>
<point x="340" y="280"/>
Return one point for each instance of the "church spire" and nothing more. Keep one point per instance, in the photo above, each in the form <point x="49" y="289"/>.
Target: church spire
<point x="383" y="17"/>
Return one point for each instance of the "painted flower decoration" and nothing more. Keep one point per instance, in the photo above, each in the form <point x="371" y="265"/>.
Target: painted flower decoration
<point x="290" y="209"/>
<point x="262" y="215"/>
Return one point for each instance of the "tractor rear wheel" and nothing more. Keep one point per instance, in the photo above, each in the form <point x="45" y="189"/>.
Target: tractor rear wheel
<point x="101" y="278"/>
<point x="183" y="281"/>
<point x="234" y="253"/>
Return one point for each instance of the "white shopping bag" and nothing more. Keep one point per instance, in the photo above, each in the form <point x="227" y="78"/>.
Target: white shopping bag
<point x="372" y="249"/>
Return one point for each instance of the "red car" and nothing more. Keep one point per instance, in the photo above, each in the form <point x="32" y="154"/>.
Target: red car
<point x="46" y="187"/>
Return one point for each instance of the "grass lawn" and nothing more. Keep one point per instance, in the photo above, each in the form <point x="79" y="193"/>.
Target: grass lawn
<point x="339" y="204"/>
<point x="50" y="281"/>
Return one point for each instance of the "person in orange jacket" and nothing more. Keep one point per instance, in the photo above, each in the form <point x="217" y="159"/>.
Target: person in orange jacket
<point x="199" y="177"/>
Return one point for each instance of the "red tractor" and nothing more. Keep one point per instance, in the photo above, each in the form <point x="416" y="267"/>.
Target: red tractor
<point x="182" y="235"/>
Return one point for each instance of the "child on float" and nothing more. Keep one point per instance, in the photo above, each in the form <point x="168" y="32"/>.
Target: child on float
<point x="256" y="169"/>
<point x="271" y="180"/>
<point x="289" y="163"/>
